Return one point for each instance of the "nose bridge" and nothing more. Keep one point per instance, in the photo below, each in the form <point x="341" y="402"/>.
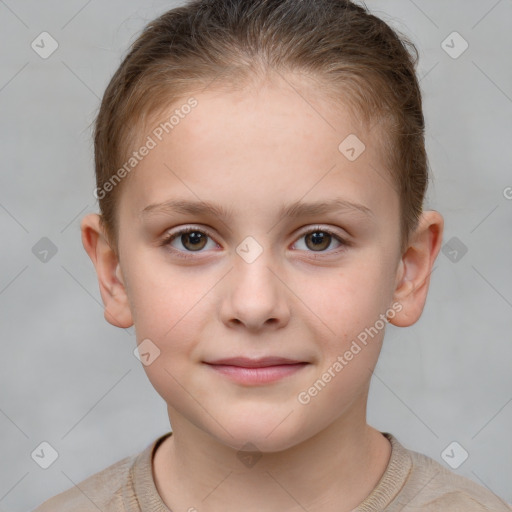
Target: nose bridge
<point x="256" y="294"/>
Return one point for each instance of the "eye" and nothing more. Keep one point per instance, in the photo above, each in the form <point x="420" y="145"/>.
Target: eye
<point x="191" y="238"/>
<point x="319" y="239"/>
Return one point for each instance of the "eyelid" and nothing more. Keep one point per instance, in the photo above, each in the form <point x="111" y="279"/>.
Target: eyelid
<point x="171" y="236"/>
<point x="343" y="240"/>
<point x="327" y="229"/>
<point x="312" y="228"/>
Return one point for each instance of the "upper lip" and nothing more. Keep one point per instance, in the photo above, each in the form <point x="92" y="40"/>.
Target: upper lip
<point x="247" y="362"/>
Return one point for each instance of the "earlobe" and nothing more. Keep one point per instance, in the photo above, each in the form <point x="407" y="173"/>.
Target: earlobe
<point x="415" y="268"/>
<point x="111" y="282"/>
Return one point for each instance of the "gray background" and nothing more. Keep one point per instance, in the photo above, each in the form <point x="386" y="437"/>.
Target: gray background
<point x="69" y="378"/>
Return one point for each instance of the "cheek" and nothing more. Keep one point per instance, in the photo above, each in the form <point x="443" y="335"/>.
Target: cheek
<point x="172" y="304"/>
<point x="348" y="299"/>
<point x="169" y="314"/>
<point x="165" y="299"/>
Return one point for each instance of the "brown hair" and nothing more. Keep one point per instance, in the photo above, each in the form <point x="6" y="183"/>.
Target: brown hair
<point x="356" y="56"/>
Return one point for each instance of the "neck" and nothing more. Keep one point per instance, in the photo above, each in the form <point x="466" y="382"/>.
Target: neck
<point x="335" y="470"/>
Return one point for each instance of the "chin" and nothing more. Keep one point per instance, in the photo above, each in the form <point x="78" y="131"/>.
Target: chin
<point x="267" y="432"/>
<point x="255" y="441"/>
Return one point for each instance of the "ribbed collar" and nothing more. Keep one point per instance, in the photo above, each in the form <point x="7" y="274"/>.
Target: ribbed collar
<point x="387" y="488"/>
<point x="392" y="481"/>
<point x="144" y="482"/>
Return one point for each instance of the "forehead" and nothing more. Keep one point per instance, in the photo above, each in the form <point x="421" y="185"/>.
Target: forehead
<point x="268" y="144"/>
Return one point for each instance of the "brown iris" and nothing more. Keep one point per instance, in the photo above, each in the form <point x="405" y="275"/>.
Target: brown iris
<point x="194" y="240"/>
<point x="319" y="239"/>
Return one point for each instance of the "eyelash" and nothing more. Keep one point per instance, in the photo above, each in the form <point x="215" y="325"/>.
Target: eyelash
<point x="190" y="254"/>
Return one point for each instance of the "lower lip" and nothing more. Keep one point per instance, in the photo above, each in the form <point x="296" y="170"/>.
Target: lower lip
<point x="255" y="376"/>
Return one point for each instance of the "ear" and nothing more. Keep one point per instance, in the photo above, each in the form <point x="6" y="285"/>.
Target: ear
<point x="112" y="287"/>
<point x="415" y="267"/>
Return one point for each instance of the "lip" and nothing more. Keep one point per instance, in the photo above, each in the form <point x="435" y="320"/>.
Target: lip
<point x="260" y="371"/>
<point x="247" y="362"/>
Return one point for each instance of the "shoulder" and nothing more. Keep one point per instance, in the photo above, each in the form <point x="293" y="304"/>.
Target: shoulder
<point x="431" y="487"/>
<point x="100" y="491"/>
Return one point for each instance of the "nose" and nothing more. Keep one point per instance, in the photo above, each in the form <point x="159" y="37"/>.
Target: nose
<point x="255" y="296"/>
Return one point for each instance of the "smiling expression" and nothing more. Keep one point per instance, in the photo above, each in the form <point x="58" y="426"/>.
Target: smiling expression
<point x="291" y="252"/>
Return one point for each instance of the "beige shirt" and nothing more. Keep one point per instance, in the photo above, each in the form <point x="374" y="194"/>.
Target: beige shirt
<point x="412" y="482"/>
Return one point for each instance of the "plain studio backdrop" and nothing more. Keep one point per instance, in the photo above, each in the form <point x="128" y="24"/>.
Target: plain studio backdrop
<point x="70" y="380"/>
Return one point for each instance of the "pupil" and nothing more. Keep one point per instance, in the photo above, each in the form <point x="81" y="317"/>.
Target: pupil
<point x="319" y="239"/>
<point x="194" y="239"/>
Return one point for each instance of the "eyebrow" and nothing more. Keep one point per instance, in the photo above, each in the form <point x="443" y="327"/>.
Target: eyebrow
<point x="294" y="210"/>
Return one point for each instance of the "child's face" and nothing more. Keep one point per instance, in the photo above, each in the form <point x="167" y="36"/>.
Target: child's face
<point x="254" y="153"/>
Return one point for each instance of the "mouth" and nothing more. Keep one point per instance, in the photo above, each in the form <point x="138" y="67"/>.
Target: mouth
<point x="260" y="371"/>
